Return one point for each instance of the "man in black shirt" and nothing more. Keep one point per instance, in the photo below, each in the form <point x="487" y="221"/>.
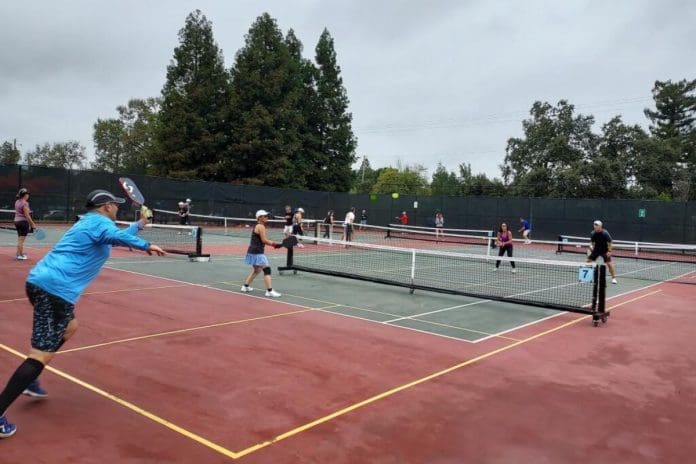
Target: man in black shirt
<point x="600" y="245"/>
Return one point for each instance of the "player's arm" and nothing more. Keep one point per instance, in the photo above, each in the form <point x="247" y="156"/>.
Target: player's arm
<point x="610" y="244"/>
<point x="27" y="214"/>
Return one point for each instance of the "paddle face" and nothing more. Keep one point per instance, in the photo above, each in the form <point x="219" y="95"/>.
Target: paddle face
<point x="289" y="242"/>
<point x="131" y="190"/>
<point x="39" y="234"/>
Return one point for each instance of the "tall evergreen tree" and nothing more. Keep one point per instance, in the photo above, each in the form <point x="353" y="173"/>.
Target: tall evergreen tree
<point x="338" y="140"/>
<point x="266" y="145"/>
<point x="311" y="163"/>
<point x="193" y="123"/>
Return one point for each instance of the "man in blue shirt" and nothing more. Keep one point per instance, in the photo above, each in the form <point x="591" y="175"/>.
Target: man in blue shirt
<point x="55" y="284"/>
<point x="526" y="229"/>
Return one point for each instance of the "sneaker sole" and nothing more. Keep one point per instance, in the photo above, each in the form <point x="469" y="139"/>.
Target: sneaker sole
<point x="7" y="435"/>
<point x="34" y="394"/>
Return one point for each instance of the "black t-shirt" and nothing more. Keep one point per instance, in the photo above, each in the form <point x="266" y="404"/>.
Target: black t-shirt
<point x="256" y="246"/>
<point x="288" y="219"/>
<point x="601" y="241"/>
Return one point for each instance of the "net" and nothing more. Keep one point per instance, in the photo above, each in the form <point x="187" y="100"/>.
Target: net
<point x="409" y="237"/>
<point x="231" y="226"/>
<point x="643" y="260"/>
<point x="545" y="283"/>
<point x="7" y="220"/>
<point x="183" y="240"/>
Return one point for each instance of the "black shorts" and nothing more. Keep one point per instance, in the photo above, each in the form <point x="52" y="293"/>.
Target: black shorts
<point x="52" y="315"/>
<point x="22" y="228"/>
<point x="596" y="254"/>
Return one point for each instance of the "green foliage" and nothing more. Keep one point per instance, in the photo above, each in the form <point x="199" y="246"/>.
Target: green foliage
<point x="410" y="180"/>
<point x="444" y="182"/>
<point x="364" y="178"/>
<point x="338" y="141"/>
<point x="127" y="144"/>
<point x="266" y="118"/>
<point x="68" y="155"/>
<point x="546" y="162"/>
<point x="193" y="129"/>
<point x="9" y="154"/>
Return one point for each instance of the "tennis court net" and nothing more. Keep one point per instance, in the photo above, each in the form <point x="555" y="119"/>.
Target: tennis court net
<point x="409" y="236"/>
<point x="182" y="240"/>
<point x="643" y="260"/>
<point x="7" y="219"/>
<point x="568" y="286"/>
<point x="231" y="226"/>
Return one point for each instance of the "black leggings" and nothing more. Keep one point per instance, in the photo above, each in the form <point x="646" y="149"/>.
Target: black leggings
<point x="501" y="252"/>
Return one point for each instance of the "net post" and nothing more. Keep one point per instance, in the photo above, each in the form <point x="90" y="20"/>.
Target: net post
<point x="599" y="297"/>
<point x="413" y="270"/>
<point x="560" y="245"/>
<point x="199" y="241"/>
<point x="288" y="261"/>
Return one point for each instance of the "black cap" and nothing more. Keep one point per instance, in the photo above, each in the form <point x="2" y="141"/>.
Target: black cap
<point x="23" y="191"/>
<point x="102" y="197"/>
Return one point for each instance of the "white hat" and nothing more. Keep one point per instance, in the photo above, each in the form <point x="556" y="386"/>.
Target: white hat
<point x="181" y="203"/>
<point x="300" y="210"/>
<point x="188" y="200"/>
<point x="261" y="212"/>
<point x="597" y="222"/>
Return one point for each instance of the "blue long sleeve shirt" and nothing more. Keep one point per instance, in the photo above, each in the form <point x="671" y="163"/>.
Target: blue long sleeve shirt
<point x="80" y="254"/>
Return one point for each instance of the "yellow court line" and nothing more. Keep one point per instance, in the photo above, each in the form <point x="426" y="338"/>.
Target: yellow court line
<point x="191" y="329"/>
<point x="400" y="388"/>
<point x="136" y="289"/>
<point x="13" y="300"/>
<point x="137" y="409"/>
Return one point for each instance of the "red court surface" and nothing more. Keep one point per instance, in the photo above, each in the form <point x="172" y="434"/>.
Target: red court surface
<point x="161" y="371"/>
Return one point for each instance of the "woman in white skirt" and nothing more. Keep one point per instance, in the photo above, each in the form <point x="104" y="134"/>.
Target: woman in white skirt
<point x="256" y="258"/>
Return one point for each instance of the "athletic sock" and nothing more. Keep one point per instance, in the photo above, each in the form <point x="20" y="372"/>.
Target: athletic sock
<point x="25" y="374"/>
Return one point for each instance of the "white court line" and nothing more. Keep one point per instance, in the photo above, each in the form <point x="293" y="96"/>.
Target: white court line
<point x="436" y="311"/>
<point x="558" y="313"/>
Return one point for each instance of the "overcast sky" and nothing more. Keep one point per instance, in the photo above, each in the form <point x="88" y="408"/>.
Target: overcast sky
<point x="428" y="81"/>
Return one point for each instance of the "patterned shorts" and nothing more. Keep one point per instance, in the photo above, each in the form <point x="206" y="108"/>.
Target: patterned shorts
<point x="51" y="317"/>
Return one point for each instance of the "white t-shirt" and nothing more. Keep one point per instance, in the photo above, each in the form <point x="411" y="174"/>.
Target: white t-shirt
<point x="350" y="217"/>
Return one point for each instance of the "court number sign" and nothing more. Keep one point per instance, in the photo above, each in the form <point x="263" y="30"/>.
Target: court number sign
<point x="585" y="274"/>
<point x="642" y="213"/>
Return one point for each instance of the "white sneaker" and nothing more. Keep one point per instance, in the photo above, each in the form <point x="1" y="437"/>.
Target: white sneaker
<point x="613" y="281"/>
<point x="22" y="257"/>
<point x="514" y="270"/>
<point x="272" y="293"/>
<point x="495" y="269"/>
<point x="246" y="289"/>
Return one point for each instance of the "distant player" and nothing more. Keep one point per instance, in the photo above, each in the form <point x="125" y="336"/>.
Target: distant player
<point x="439" y="223"/>
<point x="288" y="217"/>
<point x="403" y="218"/>
<point x="298" y="224"/>
<point x="348" y="225"/>
<point x="183" y="212"/>
<point x="363" y="219"/>
<point x="600" y="245"/>
<point x="526" y="229"/>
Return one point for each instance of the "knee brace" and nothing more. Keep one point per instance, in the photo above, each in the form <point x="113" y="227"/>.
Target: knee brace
<point x="266" y="271"/>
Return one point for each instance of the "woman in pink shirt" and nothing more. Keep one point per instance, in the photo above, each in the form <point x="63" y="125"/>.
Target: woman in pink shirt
<point x="23" y="221"/>
<point x="504" y="242"/>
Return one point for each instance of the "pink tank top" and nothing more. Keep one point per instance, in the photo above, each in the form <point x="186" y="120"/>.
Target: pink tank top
<point x="19" y="210"/>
